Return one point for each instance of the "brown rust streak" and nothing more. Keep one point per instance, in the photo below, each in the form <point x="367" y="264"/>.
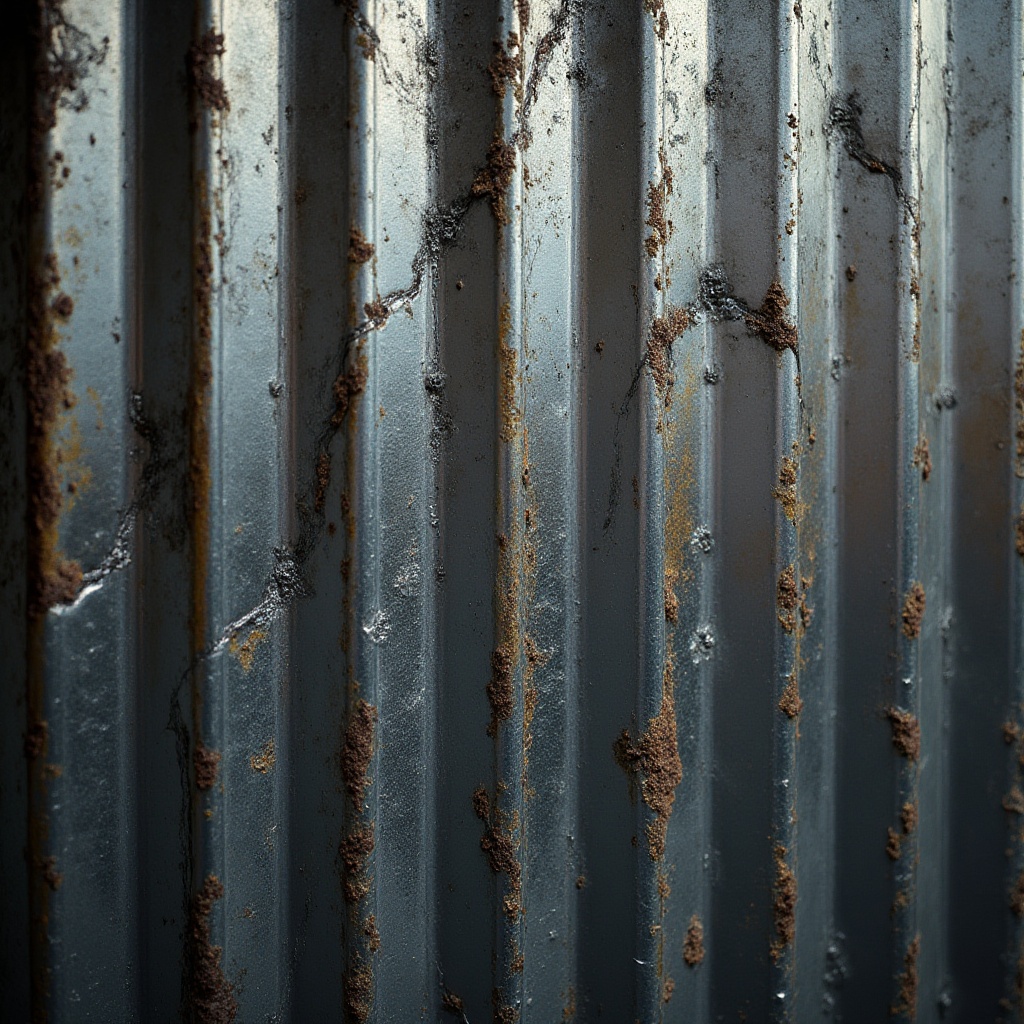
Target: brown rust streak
<point x="784" y="905"/>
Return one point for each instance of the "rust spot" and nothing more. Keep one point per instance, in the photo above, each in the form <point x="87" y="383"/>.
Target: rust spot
<point x="212" y="995"/>
<point x="923" y="457"/>
<point x="523" y="10"/>
<point x="1011" y="733"/>
<point x="1018" y="534"/>
<point x="506" y="65"/>
<point x="906" y="997"/>
<point x="265" y="760"/>
<point x="347" y="386"/>
<point x="790" y="703"/>
<point x="354" y="851"/>
<point x="206" y="764"/>
<point x="323" y="480"/>
<point x="36" y="739"/>
<point x="664" y="331"/>
<point x="668" y="987"/>
<point x="787" y="598"/>
<point x="482" y="804"/>
<point x="908" y="818"/>
<point x="358" y="987"/>
<point x="913" y="611"/>
<point x="656" y="757"/>
<point x="1018" y="401"/>
<point x="784" y="905"/>
<point x="1013" y="802"/>
<point x="359" y="249"/>
<point x="63" y="305"/>
<point x="892" y="844"/>
<point x="569" y="1010"/>
<point x="357" y="751"/>
<point x="517" y="964"/>
<point x="693" y="944"/>
<point x="906" y="733"/>
<point x="581" y="881"/>
<point x="770" y="323"/>
<point x="1017" y="896"/>
<point x="501" y="856"/>
<point x="202" y="62"/>
<point x="493" y="179"/>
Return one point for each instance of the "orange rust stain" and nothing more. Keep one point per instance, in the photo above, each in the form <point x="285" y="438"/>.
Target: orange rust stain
<point x="265" y="760"/>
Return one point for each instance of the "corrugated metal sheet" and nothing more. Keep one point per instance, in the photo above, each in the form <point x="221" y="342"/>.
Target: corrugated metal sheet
<point x="512" y="511"/>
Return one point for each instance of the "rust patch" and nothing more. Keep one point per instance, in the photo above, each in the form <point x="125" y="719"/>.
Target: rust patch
<point x="36" y="739"/>
<point x="51" y="876"/>
<point x="323" y="480"/>
<point x="784" y="904"/>
<point x="906" y="996"/>
<point x="1013" y="802"/>
<point x="787" y="598"/>
<point x="892" y="844"/>
<point x="347" y="386"/>
<point x="693" y="944"/>
<point x="770" y="322"/>
<point x="1018" y="534"/>
<point x="357" y="751"/>
<point x="245" y="651"/>
<point x="785" y="493"/>
<point x="359" y="249"/>
<point x="358" y="988"/>
<point x="265" y="760"/>
<point x="202" y="63"/>
<point x="913" y="611"/>
<point x="206" y="764"/>
<point x="671" y="600"/>
<point x="656" y="9"/>
<point x="1017" y="896"/>
<point x="923" y="457"/>
<point x="212" y="995"/>
<point x="354" y="851"/>
<point x="508" y="382"/>
<point x="493" y="179"/>
<point x="569" y="1010"/>
<point x="790" y="703"/>
<point x="500" y="688"/>
<point x="656" y="758"/>
<point x="497" y="844"/>
<point x="523" y="10"/>
<point x="906" y="733"/>
<point x="506" y="66"/>
<point x="371" y="933"/>
<point x="908" y="818"/>
<point x="453" y="1004"/>
<point x="668" y="987"/>
<point x="1018" y="401"/>
<point x="664" y="331"/>
<point x="377" y="311"/>
<point x="657" y="219"/>
<point x="52" y="578"/>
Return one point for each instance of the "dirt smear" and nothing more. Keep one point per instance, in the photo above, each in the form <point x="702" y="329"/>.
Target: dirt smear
<point x="211" y="994"/>
<point x="693" y="943"/>
<point x="906" y="995"/>
<point x="913" y="611"/>
<point x="207" y="85"/>
<point x="206" y="763"/>
<point x="655" y="756"/>
<point x="357" y="751"/>
<point x="906" y="733"/>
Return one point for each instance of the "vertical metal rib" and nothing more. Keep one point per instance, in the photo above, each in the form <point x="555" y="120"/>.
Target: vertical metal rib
<point x="80" y="699"/>
<point x="552" y="856"/>
<point x="681" y="181"/>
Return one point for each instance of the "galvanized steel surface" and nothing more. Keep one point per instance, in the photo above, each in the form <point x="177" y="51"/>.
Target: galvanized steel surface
<point x="513" y="511"/>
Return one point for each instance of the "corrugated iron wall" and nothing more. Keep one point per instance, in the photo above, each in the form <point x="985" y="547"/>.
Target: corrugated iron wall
<point x="512" y="511"/>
